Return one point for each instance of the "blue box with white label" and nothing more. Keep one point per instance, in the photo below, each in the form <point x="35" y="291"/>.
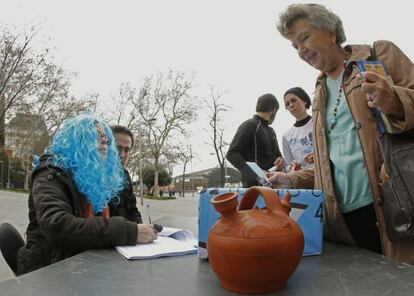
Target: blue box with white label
<point x="307" y="211"/>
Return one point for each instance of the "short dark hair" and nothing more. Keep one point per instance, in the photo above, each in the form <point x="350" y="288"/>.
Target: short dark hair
<point x="301" y="94"/>
<point x="120" y="129"/>
<point x="266" y="103"/>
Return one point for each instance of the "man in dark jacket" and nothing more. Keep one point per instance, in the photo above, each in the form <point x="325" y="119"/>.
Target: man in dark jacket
<point x="68" y="202"/>
<point x="256" y="141"/>
<point x="125" y="204"/>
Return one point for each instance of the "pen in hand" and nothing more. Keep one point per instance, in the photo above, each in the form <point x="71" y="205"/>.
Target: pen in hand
<point x="157" y="227"/>
<point x="148" y="213"/>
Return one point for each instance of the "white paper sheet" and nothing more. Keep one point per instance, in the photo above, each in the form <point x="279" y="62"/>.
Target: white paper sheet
<point x="170" y="242"/>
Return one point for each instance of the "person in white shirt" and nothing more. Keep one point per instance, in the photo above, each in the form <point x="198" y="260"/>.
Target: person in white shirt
<point x="297" y="141"/>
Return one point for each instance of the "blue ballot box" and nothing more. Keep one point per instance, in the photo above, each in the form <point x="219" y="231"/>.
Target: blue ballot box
<point x="307" y="211"/>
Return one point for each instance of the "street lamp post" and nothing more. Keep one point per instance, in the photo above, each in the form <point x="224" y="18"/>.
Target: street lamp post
<point x="9" y="153"/>
<point x="1" y="173"/>
<point x="191" y="174"/>
<point x="141" y="182"/>
<point x="8" y="175"/>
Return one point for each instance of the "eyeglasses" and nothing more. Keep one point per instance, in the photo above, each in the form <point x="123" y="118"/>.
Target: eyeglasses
<point x="104" y="139"/>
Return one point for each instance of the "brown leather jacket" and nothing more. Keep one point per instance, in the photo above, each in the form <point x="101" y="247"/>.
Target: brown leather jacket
<point x="401" y="69"/>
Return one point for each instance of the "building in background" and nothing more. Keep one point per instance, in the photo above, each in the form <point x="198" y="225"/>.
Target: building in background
<point x="208" y="178"/>
<point x="25" y="135"/>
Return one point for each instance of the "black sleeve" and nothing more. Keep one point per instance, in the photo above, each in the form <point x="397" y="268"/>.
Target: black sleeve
<point x="240" y="144"/>
<point x="132" y="213"/>
<point x="61" y="228"/>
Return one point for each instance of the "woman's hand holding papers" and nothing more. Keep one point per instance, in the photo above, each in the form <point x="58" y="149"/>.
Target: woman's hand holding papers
<point x="279" y="163"/>
<point x="381" y="94"/>
<point x="310" y="158"/>
<point x="146" y="234"/>
<point x="279" y="180"/>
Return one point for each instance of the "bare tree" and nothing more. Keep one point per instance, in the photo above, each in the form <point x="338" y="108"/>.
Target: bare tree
<point x="140" y="153"/>
<point x="21" y="70"/>
<point x="52" y="100"/>
<point x="27" y="135"/>
<point x="179" y="153"/>
<point x="35" y="90"/>
<point x="43" y="113"/>
<point x="166" y="107"/>
<point x="122" y="110"/>
<point x="216" y="130"/>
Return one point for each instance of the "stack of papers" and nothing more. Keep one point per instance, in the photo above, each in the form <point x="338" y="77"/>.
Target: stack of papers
<point x="264" y="181"/>
<point x="170" y="242"/>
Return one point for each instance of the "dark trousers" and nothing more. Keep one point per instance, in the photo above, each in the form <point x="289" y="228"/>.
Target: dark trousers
<point x="362" y="224"/>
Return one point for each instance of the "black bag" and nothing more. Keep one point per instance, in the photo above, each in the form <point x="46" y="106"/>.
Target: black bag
<point x="398" y="192"/>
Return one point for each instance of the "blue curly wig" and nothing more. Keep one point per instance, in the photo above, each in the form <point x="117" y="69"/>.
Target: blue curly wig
<point x="75" y="149"/>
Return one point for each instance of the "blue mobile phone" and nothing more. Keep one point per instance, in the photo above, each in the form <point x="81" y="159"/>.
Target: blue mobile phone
<point x="376" y="67"/>
<point x="371" y="66"/>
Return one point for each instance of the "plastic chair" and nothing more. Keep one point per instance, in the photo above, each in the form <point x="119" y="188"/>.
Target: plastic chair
<point x="10" y="243"/>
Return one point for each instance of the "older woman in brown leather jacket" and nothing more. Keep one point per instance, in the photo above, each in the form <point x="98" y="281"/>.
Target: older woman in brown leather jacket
<point x="347" y="157"/>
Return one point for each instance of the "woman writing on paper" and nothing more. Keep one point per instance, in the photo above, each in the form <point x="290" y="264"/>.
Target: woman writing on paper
<point x="71" y="186"/>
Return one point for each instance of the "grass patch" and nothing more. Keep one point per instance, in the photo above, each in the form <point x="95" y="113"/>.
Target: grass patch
<point x="19" y="190"/>
<point x="159" y="198"/>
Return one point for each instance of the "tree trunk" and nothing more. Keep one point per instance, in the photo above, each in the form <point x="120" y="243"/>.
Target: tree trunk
<point x="183" y="181"/>
<point x="27" y="177"/>
<point x="2" y="125"/>
<point x="156" y="186"/>
<point x="222" y="176"/>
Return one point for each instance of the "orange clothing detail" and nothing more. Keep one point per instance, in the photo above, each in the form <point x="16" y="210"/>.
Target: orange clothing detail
<point x="87" y="210"/>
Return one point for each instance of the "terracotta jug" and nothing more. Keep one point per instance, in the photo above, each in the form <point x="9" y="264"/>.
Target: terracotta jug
<point x="254" y="250"/>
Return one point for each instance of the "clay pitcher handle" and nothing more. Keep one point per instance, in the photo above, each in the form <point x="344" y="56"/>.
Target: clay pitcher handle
<point x="271" y="198"/>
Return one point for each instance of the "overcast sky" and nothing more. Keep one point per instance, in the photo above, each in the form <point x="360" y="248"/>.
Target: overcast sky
<point x="232" y="45"/>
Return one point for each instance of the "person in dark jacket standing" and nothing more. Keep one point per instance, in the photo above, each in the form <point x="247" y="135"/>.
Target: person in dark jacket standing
<point x="71" y="186"/>
<point x="125" y="203"/>
<point x="256" y="141"/>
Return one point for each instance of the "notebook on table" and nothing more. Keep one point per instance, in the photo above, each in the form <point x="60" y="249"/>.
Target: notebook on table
<point x="170" y="242"/>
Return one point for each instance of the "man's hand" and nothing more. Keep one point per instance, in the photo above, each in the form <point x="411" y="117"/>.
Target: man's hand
<point x="280" y="180"/>
<point x="146" y="234"/>
<point x="380" y="94"/>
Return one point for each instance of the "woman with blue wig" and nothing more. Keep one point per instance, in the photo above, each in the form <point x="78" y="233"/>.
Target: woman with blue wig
<point x="71" y="186"/>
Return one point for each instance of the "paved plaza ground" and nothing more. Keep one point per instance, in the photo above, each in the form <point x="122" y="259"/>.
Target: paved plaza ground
<point x="14" y="210"/>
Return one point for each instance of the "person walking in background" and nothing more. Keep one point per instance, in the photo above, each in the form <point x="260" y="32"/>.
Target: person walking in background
<point x="297" y="142"/>
<point x="255" y="140"/>
<point x="125" y="203"/>
<point x="347" y="157"/>
<point x="71" y="186"/>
